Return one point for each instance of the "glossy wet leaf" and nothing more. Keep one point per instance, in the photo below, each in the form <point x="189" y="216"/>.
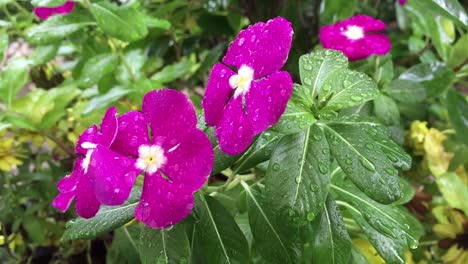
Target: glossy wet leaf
<point x="331" y="242"/>
<point x="56" y="28"/>
<point x="393" y="222"/>
<point x="124" y="247"/>
<point x="276" y="240"/>
<point x="386" y="110"/>
<point x="130" y="70"/>
<point x="259" y="152"/>
<point x="96" y="68"/>
<point x="299" y="173"/>
<point x="164" y="246"/>
<point x="107" y="219"/>
<point x="368" y="157"/>
<point x="448" y="8"/>
<point x="123" y="22"/>
<point x="50" y="3"/>
<point x="173" y="71"/>
<point x="435" y="77"/>
<point x="216" y="236"/>
<point x="297" y="116"/>
<point x="407" y="91"/>
<point x="102" y="101"/>
<point x="43" y="54"/>
<point x="317" y="67"/>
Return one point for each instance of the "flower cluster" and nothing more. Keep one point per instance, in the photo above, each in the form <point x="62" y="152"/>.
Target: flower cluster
<point x="45" y="12"/>
<point x="175" y="157"/>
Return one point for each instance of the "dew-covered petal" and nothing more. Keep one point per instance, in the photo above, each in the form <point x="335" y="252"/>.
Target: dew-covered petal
<point x="379" y="43"/>
<point x="170" y="114"/>
<point x="109" y="126"/>
<point x="367" y="23"/>
<point x="163" y="203"/>
<point x="191" y="162"/>
<point x="132" y="133"/>
<point x="111" y="175"/>
<point x="63" y="201"/>
<point x="234" y="131"/>
<point x="267" y="100"/>
<point x="86" y="203"/>
<point x="43" y="12"/>
<point x="66" y="8"/>
<point x="90" y="135"/>
<point x="217" y="93"/>
<point x="262" y="46"/>
<point x="70" y="182"/>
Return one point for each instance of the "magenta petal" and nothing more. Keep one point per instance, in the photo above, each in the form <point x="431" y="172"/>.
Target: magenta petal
<point x="63" y="201"/>
<point x="133" y="132"/>
<point x="66" y="8"/>
<point x="170" y="114"/>
<point x="379" y="43"/>
<point x="109" y="126"/>
<point x="367" y="23"/>
<point x="86" y="203"/>
<point x="262" y="46"/>
<point x="267" y="100"/>
<point x="43" y="12"/>
<point x="111" y="175"/>
<point x="234" y="131"/>
<point x="402" y="2"/>
<point x="90" y="135"/>
<point x="69" y="182"/>
<point x="191" y="162"/>
<point x="162" y="203"/>
<point x="217" y="93"/>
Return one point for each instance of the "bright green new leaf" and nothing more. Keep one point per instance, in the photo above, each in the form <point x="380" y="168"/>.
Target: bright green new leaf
<point x="96" y="68"/>
<point x="454" y="190"/>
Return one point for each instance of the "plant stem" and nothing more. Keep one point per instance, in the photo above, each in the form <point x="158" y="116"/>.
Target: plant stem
<point x="59" y="143"/>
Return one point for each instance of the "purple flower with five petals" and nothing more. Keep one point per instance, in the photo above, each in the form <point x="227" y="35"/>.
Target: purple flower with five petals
<point x="77" y="185"/>
<point x="355" y="37"/>
<point x="44" y="12"/>
<point x="177" y="159"/>
<point x="243" y="104"/>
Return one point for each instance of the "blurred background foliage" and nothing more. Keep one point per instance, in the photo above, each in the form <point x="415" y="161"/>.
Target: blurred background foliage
<point x="58" y="76"/>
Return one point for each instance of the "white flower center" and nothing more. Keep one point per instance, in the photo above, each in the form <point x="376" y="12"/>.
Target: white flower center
<point x="90" y="147"/>
<point x="354" y="32"/>
<point x="241" y="81"/>
<point x="150" y="158"/>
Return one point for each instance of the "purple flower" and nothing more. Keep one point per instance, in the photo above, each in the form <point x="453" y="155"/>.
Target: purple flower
<point x="44" y="12"/>
<point x="355" y="38"/>
<point x="243" y="104"/>
<point x="402" y="2"/>
<point x="77" y="184"/>
<point x="177" y="159"/>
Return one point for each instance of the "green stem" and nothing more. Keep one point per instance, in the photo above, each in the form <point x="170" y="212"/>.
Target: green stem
<point x="59" y="143"/>
<point x="21" y="8"/>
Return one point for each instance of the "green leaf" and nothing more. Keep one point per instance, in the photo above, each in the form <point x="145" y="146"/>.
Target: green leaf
<point x="368" y="157"/>
<point x="457" y="108"/>
<point x="259" y="152"/>
<point x="448" y="8"/>
<point x="135" y="59"/>
<point x="50" y="3"/>
<point x="173" y="71"/>
<point x="275" y="240"/>
<point x="62" y="96"/>
<point x="13" y="78"/>
<point x="386" y="110"/>
<point x="296" y="117"/>
<point x="394" y="222"/>
<point x="435" y="77"/>
<point x="57" y="28"/>
<point x="299" y="173"/>
<point x="123" y="22"/>
<point x="454" y="190"/>
<point x="334" y="10"/>
<point x="3" y="43"/>
<point x="124" y="247"/>
<point x="331" y="242"/>
<point x="407" y="192"/>
<point x="216" y="237"/>
<point x="407" y="91"/>
<point x="316" y="67"/>
<point x="154" y="22"/>
<point x="348" y="88"/>
<point x="458" y="52"/>
<point x="107" y="219"/>
<point x="96" y="68"/>
<point x="164" y="246"/>
<point x="45" y="53"/>
<point x="105" y="100"/>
